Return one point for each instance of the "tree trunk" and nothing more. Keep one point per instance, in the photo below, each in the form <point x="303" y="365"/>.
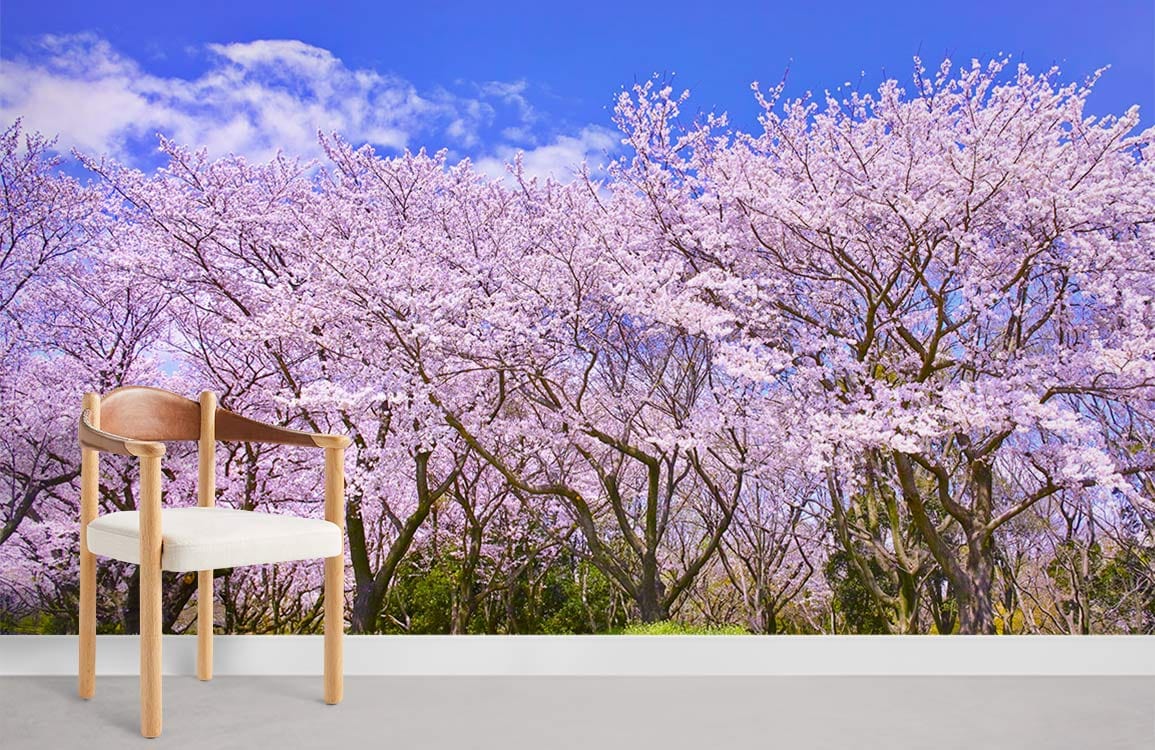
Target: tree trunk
<point x="367" y="603"/>
<point x="465" y="598"/>
<point x="976" y="605"/>
<point x="976" y="610"/>
<point x="940" y="610"/>
<point x="650" y="608"/>
<point x="908" y="602"/>
<point x="178" y="589"/>
<point x="130" y="613"/>
<point x="651" y="592"/>
<point x="362" y="616"/>
<point x="768" y="620"/>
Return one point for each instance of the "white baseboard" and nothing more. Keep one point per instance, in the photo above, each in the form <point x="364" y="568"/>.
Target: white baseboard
<point x="608" y="655"/>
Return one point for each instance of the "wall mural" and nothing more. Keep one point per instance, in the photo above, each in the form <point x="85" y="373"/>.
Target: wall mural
<point x="886" y="365"/>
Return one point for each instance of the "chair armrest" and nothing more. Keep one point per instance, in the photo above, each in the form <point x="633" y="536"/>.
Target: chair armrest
<point x="233" y="427"/>
<point x="90" y="437"/>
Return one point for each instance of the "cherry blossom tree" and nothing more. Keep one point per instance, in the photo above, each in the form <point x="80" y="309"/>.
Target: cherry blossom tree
<point x="886" y="364"/>
<point x="949" y="276"/>
<point x="74" y="320"/>
<point x="41" y="237"/>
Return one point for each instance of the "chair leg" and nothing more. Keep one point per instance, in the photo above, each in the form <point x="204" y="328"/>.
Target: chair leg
<point x="205" y="625"/>
<point x="150" y="601"/>
<point x="334" y="628"/>
<point x="89" y="492"/>
<point x="150" y="654"/>
<point x="87" y="672"/>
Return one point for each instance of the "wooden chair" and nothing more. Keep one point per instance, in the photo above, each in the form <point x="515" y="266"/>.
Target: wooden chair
<point x="133" y="421"/>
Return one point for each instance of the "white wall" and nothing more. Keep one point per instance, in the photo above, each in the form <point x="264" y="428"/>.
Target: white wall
<point x="609" y="655"/>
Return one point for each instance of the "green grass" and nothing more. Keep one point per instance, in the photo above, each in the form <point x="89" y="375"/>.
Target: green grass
<point x="671" y="627"/>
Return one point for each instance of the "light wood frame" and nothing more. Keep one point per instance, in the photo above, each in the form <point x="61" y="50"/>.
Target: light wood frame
<point x="148" y="416"/>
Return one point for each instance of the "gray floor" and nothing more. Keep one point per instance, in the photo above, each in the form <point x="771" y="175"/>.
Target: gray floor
<point x="555" y="713"/>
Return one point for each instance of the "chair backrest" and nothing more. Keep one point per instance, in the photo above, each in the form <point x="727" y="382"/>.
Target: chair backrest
<point x="143" y="413"/>
<point x="139" y="412"/>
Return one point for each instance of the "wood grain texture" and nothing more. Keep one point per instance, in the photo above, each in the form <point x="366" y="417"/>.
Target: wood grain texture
<point x="335" y="577"/>
<point x="232" y="427"/>
<point x="89" y="504"/>
<point x="206" y="452"/>
<point x="150" y="597"/>
<point x="206" y="498"/>
<point x="142" y="413"/>
<point x="92" y="437"/>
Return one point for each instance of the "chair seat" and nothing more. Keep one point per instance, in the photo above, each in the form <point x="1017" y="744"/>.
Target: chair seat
<point x="208" y="538"/>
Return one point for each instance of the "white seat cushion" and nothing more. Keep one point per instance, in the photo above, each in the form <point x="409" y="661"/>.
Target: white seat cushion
<point x="207" y="538"/>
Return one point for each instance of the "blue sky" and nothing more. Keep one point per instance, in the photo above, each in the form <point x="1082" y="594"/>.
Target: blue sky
<point x="487" y="79"/>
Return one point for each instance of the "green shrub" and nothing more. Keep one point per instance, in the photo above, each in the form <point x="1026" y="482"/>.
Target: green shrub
<point x="672" y="627"/>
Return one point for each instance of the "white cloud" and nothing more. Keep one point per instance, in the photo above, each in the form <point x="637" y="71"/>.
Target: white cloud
<point x="560" y="159"/>
<point x="290" y="53"/>
<point x="254" y="98"/>
<point x="516" y="134"/>
<point x="511" y="92"/>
